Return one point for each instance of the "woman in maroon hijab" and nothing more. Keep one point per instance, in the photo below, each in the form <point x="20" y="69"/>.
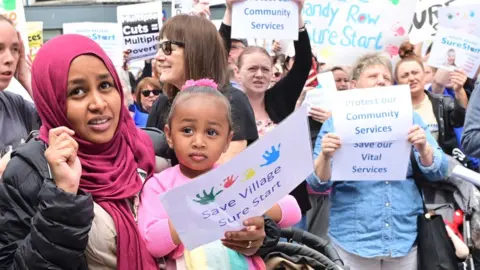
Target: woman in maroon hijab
<point x="69" y="198"/>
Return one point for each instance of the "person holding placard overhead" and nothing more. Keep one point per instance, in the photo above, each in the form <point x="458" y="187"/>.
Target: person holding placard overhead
<point x="373" y="224"/>
<point x="273" y="105"/>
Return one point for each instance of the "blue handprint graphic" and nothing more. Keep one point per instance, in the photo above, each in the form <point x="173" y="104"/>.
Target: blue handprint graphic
<point x="271" y="157"/>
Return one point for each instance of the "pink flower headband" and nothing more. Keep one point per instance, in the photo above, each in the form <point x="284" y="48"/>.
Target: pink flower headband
<point x="201" y="82"/>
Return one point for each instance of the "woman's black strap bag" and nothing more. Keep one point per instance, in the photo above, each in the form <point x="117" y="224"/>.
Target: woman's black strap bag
<point x="435" y="248"/>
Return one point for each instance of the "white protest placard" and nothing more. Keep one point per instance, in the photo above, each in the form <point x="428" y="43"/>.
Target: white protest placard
<point x="465" y="18"/>
<point x="13" y="10"/>
<point x="342" y="31"/>
<point x="266" y="19"/>
<point x="425" y="20"/>
<point x="464" y="2"/>
<point x="141" y="25"/>
<point x="107" y="35"/>
<point x="373" y="115"/>
<point x="247" y="186"/>
<point x="321" y="96"/>
<point x="372" y="161"/>
<point x="453" y="48"/>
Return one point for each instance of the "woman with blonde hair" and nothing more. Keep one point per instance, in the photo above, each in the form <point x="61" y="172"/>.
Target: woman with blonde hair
<point x="373" y="224"/>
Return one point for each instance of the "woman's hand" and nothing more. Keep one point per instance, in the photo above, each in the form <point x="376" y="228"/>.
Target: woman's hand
<point x="276" y="47"/>
<point x="229" y="4"/>
<point x="330" y="144"/>
<point x="300" y="4"/>
<point x="417" y="137"/>
<point x="24" y="68"/>
<point x="458" y="79"/>
<point x="202" y="8"/>
<point x="319" y="114"/>
<point x="62" y="158"/>
<point x="249" y="240"/>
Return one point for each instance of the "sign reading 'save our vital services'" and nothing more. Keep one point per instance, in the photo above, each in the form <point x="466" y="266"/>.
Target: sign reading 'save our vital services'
<point x="141" y="25"/>
<point x="342" y="31"/>
<point x="373" y="127"/>
<point x="268" y="19"/>
<point x="247" y="186"/>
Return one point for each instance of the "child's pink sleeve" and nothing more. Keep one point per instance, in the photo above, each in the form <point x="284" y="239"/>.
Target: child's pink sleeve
<point x="153" y="220"/>
<point x="291" y="213"/>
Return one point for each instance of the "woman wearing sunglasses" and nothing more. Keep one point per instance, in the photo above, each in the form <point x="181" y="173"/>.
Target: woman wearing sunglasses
<point x="191" y="49"/>
<point x="148" y="90"/>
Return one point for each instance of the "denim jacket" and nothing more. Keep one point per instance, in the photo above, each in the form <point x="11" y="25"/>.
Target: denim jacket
<point x="377" y="218"/>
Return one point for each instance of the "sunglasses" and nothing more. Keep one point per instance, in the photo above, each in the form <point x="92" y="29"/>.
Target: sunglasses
<point x="146" y="93"/>
<point x="166" y="46"/>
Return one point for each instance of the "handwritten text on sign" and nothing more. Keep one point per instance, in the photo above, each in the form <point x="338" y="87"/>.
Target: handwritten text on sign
<point x="270" y="19"/>
<point x="360" y="26"/>
<point x="373" y="115"/>
<point x="247" y="186"/>
<point x="371" y="161"/>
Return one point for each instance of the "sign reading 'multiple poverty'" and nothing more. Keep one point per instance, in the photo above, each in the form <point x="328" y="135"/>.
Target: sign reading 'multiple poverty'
<point x="141" y="25"/>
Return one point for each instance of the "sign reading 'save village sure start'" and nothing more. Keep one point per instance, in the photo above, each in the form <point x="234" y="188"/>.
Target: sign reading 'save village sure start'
<point x="247" y="186"/>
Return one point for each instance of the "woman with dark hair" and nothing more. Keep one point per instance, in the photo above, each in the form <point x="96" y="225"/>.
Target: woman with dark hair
<point x="191" y="48"/>
<point x="441" y="113"/>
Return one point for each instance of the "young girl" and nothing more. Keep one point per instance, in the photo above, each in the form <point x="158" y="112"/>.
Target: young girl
<point x="199" y="129"/>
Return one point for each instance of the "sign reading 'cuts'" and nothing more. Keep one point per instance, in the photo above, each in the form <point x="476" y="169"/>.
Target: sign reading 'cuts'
<point x="141" y="25"/>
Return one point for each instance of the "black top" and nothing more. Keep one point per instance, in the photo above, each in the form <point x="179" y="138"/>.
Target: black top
<point x="281" y="99"/>
<point x="18" y="118"/>
<point x="242" y="114"/>
<point x="42" y="226"/>
<point x="244" y="126"/>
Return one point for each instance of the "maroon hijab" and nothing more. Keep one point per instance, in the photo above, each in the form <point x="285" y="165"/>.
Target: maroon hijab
<point x="109" y="171"/>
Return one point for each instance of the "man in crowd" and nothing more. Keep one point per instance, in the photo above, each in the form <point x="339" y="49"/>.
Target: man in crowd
<point x="236" y="48"/>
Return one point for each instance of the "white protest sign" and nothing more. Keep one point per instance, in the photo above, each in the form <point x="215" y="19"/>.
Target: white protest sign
<point x="453" y="48"/>
<point x="107" y="35"/>
<point x="13" y="10"/>
<point x="321" y="96"/>
<point x="342" y="31"/>
<point x="464" y="2"/>
<point x="141" y="25"/>
<point x="373" y="115"/>
<point x="425" y="20"/>
<point x="372" y="161"/>
<point x="247" y="186"/>
<point x="465" y="18"/>
<point x="266" y="19"/>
